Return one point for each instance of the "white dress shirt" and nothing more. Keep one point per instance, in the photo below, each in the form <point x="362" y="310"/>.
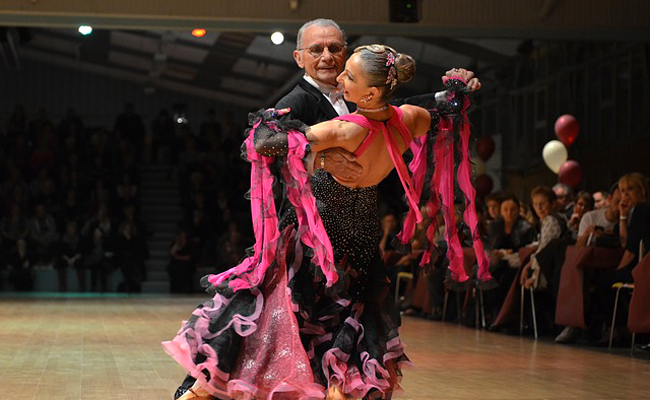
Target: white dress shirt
<point x="332" y="93"/>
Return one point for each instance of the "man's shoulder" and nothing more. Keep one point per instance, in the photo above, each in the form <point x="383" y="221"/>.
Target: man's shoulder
<point x="594" y="215"/>
<point x="299" y="93"/>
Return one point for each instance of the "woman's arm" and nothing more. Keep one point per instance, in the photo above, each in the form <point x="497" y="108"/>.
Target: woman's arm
<point x="420" y="119"/>
<point x="271" y="135"/>
<point x="328" y="134"/>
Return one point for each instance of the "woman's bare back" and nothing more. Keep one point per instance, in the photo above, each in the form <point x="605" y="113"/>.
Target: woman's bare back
<point x="376" y="160"/>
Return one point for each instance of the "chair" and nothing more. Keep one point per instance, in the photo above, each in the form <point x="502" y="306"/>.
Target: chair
<point x="618" y="286"/>
<point x="532" y="307"/>
<point x="400" y="276"/>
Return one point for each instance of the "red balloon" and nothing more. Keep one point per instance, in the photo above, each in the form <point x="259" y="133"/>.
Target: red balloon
<point x="566" y="129"/>
<point x="484" y="185"/>
<point x="485" y="147"/>
<point x="570" y="173"/>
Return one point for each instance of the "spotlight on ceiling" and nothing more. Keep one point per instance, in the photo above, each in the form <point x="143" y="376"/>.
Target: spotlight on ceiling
<point x="85" y="30"/>
<point x="198" y="32"/>
<point x="277" y="38"/>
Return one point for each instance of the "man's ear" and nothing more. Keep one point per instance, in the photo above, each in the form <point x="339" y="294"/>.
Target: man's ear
<point x="297" y="55"/>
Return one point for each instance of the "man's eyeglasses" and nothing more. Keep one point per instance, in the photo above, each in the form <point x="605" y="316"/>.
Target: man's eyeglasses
<point x="318" y="49"/>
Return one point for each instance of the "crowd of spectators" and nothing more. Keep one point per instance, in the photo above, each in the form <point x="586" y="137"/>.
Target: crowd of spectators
<point x="212" y="183"/>
<point x="70" y="201"/>
<point x="547" y="222"/>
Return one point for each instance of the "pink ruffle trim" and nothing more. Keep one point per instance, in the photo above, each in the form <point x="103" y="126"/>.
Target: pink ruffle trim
<point x="311" y="230"/>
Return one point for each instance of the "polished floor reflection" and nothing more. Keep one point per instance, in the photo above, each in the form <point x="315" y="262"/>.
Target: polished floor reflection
<point x="92" y="348"/>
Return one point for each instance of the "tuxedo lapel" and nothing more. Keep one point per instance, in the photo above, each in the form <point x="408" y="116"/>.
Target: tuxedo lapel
<point x="324" y="105"/>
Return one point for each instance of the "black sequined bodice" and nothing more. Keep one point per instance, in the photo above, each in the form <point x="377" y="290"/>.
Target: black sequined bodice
<point x="350" y="217"/>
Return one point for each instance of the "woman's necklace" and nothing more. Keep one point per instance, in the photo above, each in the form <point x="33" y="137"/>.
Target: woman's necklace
<point x="373" y="110"/>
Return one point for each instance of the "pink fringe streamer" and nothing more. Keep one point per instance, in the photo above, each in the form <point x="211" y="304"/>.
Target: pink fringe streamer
<point x="250" y="272"/>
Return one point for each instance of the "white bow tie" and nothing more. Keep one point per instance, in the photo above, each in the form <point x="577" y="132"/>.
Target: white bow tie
<point x="335" y="95"/>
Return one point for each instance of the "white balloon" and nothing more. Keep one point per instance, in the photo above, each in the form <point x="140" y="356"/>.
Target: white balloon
<point x="555" y="154"/>
<point x="478" y="166"/>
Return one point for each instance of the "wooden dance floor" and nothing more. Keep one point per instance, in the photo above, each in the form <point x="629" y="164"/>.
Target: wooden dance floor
<point x="103" y="348"/>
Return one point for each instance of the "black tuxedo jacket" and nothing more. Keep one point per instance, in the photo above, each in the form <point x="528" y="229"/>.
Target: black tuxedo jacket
<point x="308" y="104"/>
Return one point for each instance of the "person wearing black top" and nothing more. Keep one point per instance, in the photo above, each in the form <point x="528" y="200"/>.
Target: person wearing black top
<point x="505" y="236"/>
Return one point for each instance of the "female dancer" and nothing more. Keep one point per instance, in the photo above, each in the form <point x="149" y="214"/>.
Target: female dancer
<point x="310" y="314"/>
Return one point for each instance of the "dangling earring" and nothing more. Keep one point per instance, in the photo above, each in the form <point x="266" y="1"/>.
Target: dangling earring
<point x="366" y="98"/>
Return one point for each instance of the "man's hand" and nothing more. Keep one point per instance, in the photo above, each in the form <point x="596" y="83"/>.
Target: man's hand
<point x="340" y="163"/>
<point x="468" y="76"/>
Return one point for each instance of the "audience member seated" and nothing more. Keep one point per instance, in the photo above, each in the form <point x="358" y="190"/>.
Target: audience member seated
<point x="493" y="202"/>
<point x="597" y="228"/>
<point x="600" y="222"/>
<point x="43" y="237"/>
<point x="100" y="233"/>
<point x="584" y="203"/>
<point x="564" y="200"/>
<point x="15" y="227"/>
<point x="232" y="246"/>
<point x="601" y="199"/>
<point x="505" y="236"/>
<point x="634" y="211"/>
<point x="181" y="265"/>
<point x="551" y="226"/>
<point x="129" y="257"/>
<point x="21" y="275"/>
<point x="71" y="257"/>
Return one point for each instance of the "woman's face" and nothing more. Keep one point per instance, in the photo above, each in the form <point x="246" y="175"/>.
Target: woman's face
<point x="630" y="194"/>
<point x="542" y="206"/>
<point x="353" y="81"/>
<point x="494" y="209"/>
<point x="510" y="211"/>
<point x="581" y="207"/>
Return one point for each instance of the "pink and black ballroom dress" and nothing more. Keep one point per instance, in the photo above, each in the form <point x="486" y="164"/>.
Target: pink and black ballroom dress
<point x="312" y="307"/>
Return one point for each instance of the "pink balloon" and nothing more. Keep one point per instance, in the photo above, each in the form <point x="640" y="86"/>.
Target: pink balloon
<point x="566" y="129"/>
<point x="570" y="173"/>
<point x="485" y="147"/>
<point x="483" y="185"/>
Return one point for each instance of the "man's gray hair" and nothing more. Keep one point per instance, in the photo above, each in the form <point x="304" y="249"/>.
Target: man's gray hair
<point x="324" y="22"/>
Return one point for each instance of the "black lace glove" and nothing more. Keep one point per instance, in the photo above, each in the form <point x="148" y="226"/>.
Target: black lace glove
<point x="271" y="133"/>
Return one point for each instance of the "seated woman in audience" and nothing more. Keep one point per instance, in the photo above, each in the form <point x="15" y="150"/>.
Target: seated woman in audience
<point x="505" y="236"/>
<point x="634" y="211"/>
<point x="551" y="227"/>
<point x="493" y="202"/>
<point x="584" y="203"/>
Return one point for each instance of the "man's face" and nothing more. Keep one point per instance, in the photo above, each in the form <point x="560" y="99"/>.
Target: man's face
<point x="316" y="56"/>
<point x="614" y="202"/>
<point x="600" y="201"/>
<point x="562" y="199"/>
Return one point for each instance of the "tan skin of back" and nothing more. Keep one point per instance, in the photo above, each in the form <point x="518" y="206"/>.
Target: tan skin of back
<point x="376" y="161"/>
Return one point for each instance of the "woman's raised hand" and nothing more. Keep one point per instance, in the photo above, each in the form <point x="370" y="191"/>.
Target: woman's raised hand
<point x="468" y="76"/>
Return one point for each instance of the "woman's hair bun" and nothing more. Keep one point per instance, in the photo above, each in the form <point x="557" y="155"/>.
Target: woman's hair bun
<point x="405" y="65"/>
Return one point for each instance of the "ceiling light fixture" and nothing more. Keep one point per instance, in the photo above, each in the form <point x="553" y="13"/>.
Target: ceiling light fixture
<point x="198" y="32"/>
<point x="85" y="30"/>
<point x="277" y="38"/>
